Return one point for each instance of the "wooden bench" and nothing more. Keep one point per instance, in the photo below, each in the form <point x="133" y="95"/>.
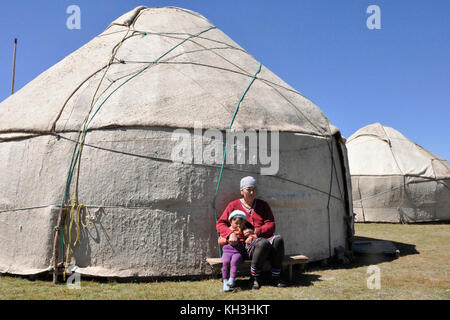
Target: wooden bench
<point x="289" y="261"/>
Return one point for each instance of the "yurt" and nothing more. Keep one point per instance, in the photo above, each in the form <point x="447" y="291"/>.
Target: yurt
<point x="113" y="160"/>
<point x="395" y="179"/>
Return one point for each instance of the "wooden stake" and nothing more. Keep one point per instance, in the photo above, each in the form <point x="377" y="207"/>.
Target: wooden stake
<point x="14" y="66"/>
<point x="57" y="254"/>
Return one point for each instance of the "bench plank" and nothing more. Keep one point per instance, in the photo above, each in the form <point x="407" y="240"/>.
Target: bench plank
<point x="289" y="261"/>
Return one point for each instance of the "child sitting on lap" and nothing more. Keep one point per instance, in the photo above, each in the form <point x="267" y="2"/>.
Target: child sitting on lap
<point x="232" y="256"/>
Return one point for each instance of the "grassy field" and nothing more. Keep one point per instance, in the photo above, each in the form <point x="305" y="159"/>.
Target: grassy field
<point x="421" y="272"/>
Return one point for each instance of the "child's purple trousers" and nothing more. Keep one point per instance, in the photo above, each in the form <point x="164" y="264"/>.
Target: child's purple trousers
<point x="231" y="258"/>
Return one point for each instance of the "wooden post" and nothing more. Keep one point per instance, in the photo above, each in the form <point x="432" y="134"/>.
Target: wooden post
<point x="290" y="272"/>
<point x="57" y="254"/>
<point x="14" y="66"/>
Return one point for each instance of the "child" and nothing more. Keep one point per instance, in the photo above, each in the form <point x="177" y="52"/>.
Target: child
<point x="233" y="255"/>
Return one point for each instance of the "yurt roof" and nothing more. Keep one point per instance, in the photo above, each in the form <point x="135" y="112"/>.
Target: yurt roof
<point x="171" y="67"/>
<point x="381" y="150"/>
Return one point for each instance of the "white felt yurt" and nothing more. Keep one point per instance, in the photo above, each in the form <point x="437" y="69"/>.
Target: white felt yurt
<point x="131" y="96"/>
<point x="396" y="180"/>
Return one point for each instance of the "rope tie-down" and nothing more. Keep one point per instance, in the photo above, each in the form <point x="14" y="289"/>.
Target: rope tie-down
<point x="77" y="208"/>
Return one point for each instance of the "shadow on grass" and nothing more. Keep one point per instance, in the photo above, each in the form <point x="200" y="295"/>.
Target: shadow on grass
<point x="299" y="279"/>
<point x="366" y="259"/>
<point x="48" y="277"/>
<point x="361" y="259"/>
<point x="405" y="249"/>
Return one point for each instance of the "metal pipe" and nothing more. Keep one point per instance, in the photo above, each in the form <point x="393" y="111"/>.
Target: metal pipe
<point x="14" y="66"/>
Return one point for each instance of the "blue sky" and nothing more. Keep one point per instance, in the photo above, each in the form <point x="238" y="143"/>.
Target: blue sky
<point x="398" y="76"/>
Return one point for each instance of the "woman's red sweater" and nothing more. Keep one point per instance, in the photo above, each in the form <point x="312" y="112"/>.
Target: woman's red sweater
<point x="261" y="217"/>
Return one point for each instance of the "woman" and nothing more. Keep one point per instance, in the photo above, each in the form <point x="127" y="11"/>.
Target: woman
<point x="266" y="245"/>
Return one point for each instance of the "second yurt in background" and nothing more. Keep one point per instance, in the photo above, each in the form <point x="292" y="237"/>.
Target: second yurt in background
<point x="396" y="180"/>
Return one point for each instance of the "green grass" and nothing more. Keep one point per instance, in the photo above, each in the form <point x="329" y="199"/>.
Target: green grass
<point x="421" y="272"/>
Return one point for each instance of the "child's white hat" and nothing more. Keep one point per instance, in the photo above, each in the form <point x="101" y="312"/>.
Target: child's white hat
<point x="237" y="214"/>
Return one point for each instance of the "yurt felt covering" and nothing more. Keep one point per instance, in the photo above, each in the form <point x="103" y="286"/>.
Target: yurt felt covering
<point x="151" y="72"/>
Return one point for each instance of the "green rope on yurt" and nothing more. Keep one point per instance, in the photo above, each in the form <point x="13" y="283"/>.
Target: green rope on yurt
<point x="225" y="151"/>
